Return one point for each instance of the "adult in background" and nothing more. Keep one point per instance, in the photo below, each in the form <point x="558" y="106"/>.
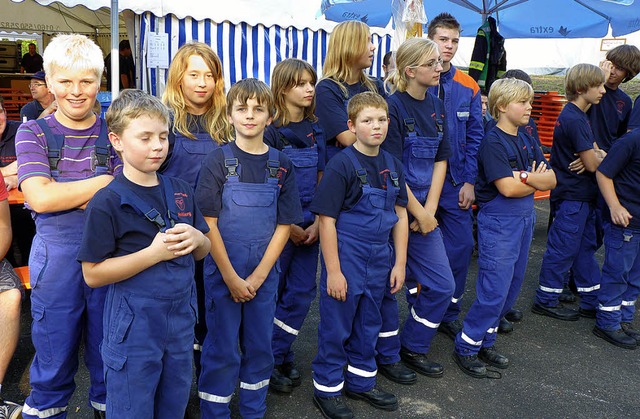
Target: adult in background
<point x="43" y="102"/>
<point x="31" y="61"/>
<point x="127" y="67"/>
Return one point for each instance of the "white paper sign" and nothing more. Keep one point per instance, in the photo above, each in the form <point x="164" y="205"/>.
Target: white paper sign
<point x="158" y="50"/>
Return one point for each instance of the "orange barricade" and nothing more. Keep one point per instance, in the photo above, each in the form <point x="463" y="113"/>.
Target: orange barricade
<point x="23" y="273"/>
<point x="16" y="197"/>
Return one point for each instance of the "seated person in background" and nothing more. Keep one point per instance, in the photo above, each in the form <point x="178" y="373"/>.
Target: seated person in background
<point x="43" y="102"/>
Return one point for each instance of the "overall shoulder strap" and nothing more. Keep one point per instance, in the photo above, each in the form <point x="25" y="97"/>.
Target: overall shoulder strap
<point x="273" y="165"/>
<point x="361" y="173"/>
<point x="409" y="123"/>
<point x="102" y="150"/>
<point x="290" y="138"/>
<point x="55" y="142"/>
<point x="140" y="206"/>
<point x="231" y="163"/>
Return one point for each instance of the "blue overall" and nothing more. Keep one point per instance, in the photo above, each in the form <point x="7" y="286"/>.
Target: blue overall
<point x="333" y="149"/>
<point x="298" y="264"/>
<point x="247" y="221"/>
<point x="148" y="324"/>
<point x="571" y="243"/>
<point x="620" y="282"/>
<point x="185" y="162"/>
<point x="63" y="307"/>
<point x="348" y="330"/>
<point x="505" y="231"/>
<point x="427" y="263"/>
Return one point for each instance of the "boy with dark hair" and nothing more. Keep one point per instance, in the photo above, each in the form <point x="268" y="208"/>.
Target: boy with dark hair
<point x="464" y="122"/>
<point x="511" y="167"/>
<point x="148" y="263"/>
<point x="248" y="195"/>
<point x="361" y="200"/>
<point x="619" y="179"/>
<point x="571" y="240"/>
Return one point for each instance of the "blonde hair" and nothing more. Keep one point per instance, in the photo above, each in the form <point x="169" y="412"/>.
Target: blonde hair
<point x="131" y="104"/>
<point x="215" y="121"/>
<point x="412" y="53"/>
<point x="247" y="89"/>
<point x="286" y="75"/>
<point x="580" y="78"/>
<point x="72" y="52"/>
<point x="506" y="91"/>
<point x="365" y="100"/>
<point x="347" y="43"/>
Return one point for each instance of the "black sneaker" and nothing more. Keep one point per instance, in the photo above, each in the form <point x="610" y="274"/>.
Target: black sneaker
<point x="451" y="329"/>
<point x="377" y="398"/>
<point x="333" y="407"/>
<point x="289" y="370"/>
<point x="514" y="315"/>
<point x="616" y="337"/>
<point x="471" y="365"/>
<point x="505" y="326"/>
<point x="10" y="410"/>
<point x="492" y="357"/>
<point x="279" y="382"/>
<point x="559" y="312"/>
<point x="398" y="373"/>
<point x="630" y="331"/>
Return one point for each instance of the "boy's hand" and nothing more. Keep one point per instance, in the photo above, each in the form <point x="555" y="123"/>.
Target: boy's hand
<point x="297" y="235"/>
<point x="255" y="281"/>
<point x="540" y="168"/>
<point x="337" y="286"/>
<point x="396" y="279"/>
<point x="182" y="239"/>
<point x="601" y="154"/>
<point x="466" y="196"/>
<point x="312" y="233"/>
<point x="606" y="65"/>
<point x="11" y="182"/>
<point x="241" y="291"/>
<point x="620" y="216"/>
<point x="577" y="166"/>
<point x="424" y="223"/>
<point x="159" y="248"/>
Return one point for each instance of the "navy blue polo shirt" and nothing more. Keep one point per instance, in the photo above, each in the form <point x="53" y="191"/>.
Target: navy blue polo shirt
<point x="634" y="119"/>
<point x="303" y="130"/>
<point x="610" y="117"/>
<point x="424" y="114"/>
<point x="494" y="163"/>
<point x="340" y="188"/>
<point x="572" y="134"/>
<point x="622" y="164"/>
<point x="252" y="169"/>
<point x="113" y="230"/>
<point x="8" y="143"/>
<point x="331" y="105"/>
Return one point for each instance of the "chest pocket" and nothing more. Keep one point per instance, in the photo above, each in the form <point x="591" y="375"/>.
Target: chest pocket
<point x="201" y="147"/>
<point x="378" y="200"/>
<point x="254" y="199"/>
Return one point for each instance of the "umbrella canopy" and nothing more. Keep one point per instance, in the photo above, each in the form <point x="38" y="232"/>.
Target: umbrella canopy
<point x="516" y="18"/>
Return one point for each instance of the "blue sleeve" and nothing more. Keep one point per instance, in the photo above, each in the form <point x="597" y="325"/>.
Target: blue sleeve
<point x="272" y="137"/>
<point x="210" y="182"/>
<point x="403" y="197"/>
<point x="444" y="149"/>
<point x="581" y="136"/>
<point x="394" y="142"/>
<point x="331" y="110"/>
<point x="332" y="191"/>
<point x="321" y="142"/>
<point x="634" y="118"/>
<point x="289" y="207"/>
<point x="494" y="159"/>
<point x="98" y="239"/>
<point x="619" y="155"/>
<point x="475" y="133"/>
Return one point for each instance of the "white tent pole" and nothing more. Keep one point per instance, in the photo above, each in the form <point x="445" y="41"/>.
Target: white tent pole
<point x="115" y="52"/>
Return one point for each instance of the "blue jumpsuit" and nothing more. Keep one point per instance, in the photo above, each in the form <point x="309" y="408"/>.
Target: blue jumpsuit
<point x="298" y="264"/>
<point x="63" y="307"/>
<point x="348" y="330"/>
<point x="247" y="221"/>
<point x="149" y="318"/>
<point x="184" y="162"/>
<point x="505" y="230"/>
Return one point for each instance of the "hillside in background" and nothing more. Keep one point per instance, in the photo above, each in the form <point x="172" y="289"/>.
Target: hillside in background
<point x="556" y="84"/>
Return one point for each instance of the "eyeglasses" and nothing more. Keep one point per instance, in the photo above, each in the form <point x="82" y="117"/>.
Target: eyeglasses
<point x="432" y="64"/>
<point x="37" y="84"/>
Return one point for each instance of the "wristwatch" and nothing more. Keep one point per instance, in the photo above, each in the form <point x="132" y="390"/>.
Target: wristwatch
<point x="524" y="176"/>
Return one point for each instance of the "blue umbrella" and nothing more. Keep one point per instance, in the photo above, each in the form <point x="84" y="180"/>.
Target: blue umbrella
<point x="516" y="18"/>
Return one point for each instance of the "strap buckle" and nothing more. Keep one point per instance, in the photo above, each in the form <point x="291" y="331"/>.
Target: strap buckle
<point x="232" y="166"/>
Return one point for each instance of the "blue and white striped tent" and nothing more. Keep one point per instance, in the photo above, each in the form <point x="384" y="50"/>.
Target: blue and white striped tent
<point x="245" y="50"/>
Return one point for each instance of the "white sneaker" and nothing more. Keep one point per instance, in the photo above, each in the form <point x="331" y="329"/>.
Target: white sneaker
<point x="9" y="410"/>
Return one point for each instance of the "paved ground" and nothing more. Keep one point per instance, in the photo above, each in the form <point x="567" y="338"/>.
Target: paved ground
<point x="558" y="369"/>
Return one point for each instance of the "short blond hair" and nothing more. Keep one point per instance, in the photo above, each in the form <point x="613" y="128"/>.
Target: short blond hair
<point x="365" y="100"/>
<point x="506" y="91"/>
<point x="72" y="52"/>
<point x="132" y="104"/>
<point x="580" y="78"/>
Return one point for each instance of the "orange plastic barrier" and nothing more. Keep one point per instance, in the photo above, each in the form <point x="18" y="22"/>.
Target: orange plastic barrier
<point x="16" y="197"/>
<point x="546" y="109"/>
<point x="23" y="273"/>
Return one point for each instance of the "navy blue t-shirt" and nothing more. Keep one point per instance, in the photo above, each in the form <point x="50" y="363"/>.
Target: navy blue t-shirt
<point x="531" y="128"/>
<point x="8" y="143"/>
<point x="494" y="160"/>
<point x="303" y="130"/>
<point x="112" y="229"/>
<point x="572" y="134"/>
<point x="634" y="119"/>
<point x="610" y="117"/>
<point x="424" y="114"/>
<point x="331" y="106"/>
<point x="252" y="169"/>
<point x="340" y="188"/>
<point x="622" y="164"/>
<point x="31" y="110"/>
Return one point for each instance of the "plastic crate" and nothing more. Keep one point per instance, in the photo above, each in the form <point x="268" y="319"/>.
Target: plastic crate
<point x="105" y="100"/>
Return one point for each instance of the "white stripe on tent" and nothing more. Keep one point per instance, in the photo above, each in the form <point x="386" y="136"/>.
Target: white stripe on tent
<point x="232" y="43"/>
